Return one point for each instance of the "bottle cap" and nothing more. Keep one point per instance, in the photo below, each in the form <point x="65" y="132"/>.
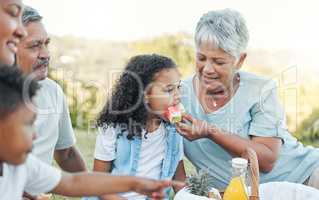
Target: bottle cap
<point x="239" y="163"/>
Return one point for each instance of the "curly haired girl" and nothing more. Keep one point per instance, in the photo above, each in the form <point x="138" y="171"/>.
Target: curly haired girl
<point x="135" y="137"/>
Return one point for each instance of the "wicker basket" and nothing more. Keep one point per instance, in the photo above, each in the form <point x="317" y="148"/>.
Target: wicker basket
<point x="251" y="155"/>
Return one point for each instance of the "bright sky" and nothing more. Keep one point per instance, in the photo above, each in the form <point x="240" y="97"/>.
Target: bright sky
<point x="273" y="24"/>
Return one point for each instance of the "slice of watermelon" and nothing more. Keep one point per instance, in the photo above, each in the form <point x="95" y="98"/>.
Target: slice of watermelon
<point x="174" y="113"/>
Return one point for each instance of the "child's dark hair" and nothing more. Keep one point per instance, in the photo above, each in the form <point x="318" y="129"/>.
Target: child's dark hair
<point x="12" y="89"/>
<point x="128" y="93"/>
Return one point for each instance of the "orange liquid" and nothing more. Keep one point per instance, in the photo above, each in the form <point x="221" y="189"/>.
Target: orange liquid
<point x="236" y="190"/>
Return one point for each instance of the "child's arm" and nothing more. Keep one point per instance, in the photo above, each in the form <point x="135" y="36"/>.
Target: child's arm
<point x="105" y="166"/>
<point x="180" y="175"/>
<point x="92" y="184"/>
<point x="86" y="184"/>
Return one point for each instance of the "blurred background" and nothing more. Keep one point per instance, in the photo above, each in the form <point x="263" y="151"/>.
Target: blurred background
<point x="92" y="40"/>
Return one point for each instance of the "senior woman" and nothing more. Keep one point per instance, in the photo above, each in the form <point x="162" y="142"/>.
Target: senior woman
<point x="230" y="110"/>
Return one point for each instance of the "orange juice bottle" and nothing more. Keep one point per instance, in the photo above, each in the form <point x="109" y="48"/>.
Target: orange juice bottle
<point x="237" y="188"/>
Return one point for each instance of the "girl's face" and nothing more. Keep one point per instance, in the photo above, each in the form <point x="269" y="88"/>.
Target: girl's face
<point x="12" y="30"/>
<point x="163" y="91"/>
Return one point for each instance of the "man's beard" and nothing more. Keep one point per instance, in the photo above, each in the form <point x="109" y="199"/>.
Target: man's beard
<point x="40" y="69"/>
<point x="41" y="62"/>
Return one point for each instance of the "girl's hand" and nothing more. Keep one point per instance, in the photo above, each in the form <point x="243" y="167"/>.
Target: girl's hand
<point x="195" y="130"/>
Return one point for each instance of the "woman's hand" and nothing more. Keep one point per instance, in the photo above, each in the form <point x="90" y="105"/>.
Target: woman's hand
<point x="195" y="129"/>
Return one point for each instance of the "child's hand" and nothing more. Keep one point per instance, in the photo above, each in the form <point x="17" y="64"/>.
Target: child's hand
<point x="194" y="130"/>
<point x="154" y="189"/>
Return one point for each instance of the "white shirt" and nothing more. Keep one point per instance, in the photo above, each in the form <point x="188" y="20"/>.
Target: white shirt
<point x="53" y="124"/>
<point x="34" y="177"/>
<point x="151" y="154"/>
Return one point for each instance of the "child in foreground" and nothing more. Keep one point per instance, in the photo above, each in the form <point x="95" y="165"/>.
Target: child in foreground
<point x="135" y="135"/>
<point x="20" y="171"/>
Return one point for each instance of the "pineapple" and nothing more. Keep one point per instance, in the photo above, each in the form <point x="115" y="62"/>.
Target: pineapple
<point x="198" y="184"/>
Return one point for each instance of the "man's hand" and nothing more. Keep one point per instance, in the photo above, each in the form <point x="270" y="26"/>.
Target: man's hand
<point x="195" y="129"/>
<point x="154" y="189"/>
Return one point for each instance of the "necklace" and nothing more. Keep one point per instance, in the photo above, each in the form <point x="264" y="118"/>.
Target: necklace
<point x="211" y="100"/>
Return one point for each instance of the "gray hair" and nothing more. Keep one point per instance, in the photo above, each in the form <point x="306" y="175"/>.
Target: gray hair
<point x="30" y="15"/>
<point x="225" y="29"/>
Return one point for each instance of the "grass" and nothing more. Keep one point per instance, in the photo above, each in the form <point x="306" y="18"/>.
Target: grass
<point x="85" y="141"/>
<point x="86" y="144"/>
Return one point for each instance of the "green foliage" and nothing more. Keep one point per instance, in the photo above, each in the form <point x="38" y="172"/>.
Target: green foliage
<point x="308" y="132"/>
<point x="80" y="111"/>
<point x="82" y="99"/>
<point x="177" y="47"/>
<point x="198" y="183"/>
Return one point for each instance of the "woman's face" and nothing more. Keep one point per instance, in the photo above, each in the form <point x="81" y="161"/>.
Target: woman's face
<point x="215" y="69"/>
<point x="11" y="30"/>
<point x="164" y="91"/>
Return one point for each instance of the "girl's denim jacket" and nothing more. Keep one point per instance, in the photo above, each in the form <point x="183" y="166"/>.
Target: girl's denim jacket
<point x="128" y="151"/>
